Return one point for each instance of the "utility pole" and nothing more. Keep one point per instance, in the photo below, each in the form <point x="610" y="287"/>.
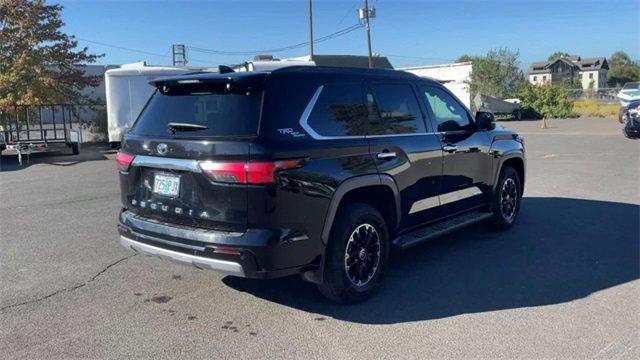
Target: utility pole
<point x="366" y="14"/>
<point x="310" y="31"/>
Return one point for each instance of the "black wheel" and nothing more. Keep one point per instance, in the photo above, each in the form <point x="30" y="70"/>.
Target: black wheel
<point x="75" y="148"/>
<point x="621" y="116"/>
<point x="357" y="254"/>
<point x="506" y="200"/>
<point x="517" y="114"/>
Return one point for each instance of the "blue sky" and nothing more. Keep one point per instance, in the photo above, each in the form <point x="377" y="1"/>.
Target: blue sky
<point x="409" y="32"/>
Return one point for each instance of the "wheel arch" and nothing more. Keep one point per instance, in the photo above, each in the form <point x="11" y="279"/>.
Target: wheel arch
<point x="357" y="188"/>
<point x="516" y="161"/>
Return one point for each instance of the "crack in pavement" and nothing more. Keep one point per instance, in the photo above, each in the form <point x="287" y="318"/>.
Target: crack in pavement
<point x="69" y="289"/>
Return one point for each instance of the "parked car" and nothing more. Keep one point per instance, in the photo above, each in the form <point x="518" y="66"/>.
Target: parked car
<point x="631" y="120"/>
<point x="629" y="93"/>
<point x="629" y="110"/>
<point x="310" y="170"/>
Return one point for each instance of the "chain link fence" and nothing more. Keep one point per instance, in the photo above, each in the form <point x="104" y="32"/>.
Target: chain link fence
<point x="601" y="96"/>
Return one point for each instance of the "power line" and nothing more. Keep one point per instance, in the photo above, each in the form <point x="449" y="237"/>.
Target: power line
<point x="348" y="11"/>
<point x="165" y="55"/>
<point x="123" y="48"/>
<point x="280" y="49"/>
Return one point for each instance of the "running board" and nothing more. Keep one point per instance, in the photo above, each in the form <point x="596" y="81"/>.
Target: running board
<point x="440" y="228"/>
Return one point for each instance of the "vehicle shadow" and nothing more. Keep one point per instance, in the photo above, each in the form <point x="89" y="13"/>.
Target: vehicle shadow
<point x="57" y="157"/>
<point x="560" y="250"/>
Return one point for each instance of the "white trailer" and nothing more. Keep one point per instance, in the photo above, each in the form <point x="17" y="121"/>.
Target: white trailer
<point x="127" y="92"/>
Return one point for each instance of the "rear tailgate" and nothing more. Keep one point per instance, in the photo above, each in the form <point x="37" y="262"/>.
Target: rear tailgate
<point x="176" y="189"/>
<point x="189" y="149"/>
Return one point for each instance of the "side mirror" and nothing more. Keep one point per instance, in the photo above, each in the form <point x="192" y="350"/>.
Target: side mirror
<point x="485" y="120"/>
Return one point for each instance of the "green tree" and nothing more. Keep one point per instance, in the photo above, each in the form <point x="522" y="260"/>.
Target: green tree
<point x="557" y="54"/>
<point x="38" y="61"/>
<point x="622" y="69"/>
<point x="465" y="58"/>
<point x="496" y="74"/>
<point x="544" y="101"/>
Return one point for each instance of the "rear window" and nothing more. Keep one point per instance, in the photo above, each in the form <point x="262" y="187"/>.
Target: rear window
<point x="223" y="114"/>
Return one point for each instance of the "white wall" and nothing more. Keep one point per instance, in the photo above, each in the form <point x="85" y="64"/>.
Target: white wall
<point x="539" y="79"/>
<point x="586" y="80"/>
<point x="455" y="76"/>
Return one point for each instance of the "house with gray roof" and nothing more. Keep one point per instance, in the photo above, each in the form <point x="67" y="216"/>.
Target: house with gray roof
<point x="591" y="73"/>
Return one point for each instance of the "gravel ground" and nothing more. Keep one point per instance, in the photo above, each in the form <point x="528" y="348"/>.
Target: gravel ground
<point x="563" y="283"/>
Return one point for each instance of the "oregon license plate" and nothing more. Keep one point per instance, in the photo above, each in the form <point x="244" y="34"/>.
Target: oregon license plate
<point x="167" y="185"/>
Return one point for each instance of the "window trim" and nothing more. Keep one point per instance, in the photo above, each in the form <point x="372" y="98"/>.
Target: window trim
<point x="304" y="122"/>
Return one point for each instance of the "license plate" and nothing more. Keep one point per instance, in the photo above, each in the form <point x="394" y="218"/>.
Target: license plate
<point x="167" y="185"/>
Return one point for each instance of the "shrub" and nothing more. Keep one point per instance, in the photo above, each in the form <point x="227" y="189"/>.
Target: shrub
<point x="544" y="101"/>
<point x="590" y="108"/>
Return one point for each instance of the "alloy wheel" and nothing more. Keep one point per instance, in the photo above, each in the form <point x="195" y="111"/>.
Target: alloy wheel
<point x="362" y="254"/>
<point x="509" y="199"/>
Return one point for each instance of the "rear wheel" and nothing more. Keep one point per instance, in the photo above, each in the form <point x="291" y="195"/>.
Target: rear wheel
<point x="506" y="200"/>
<point x="357" y="254"/>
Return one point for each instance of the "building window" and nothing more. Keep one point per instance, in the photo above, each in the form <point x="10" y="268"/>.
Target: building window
<point x="535" y="78"/>
<point x="544" y="78"/>
<point x="590" y="75"/>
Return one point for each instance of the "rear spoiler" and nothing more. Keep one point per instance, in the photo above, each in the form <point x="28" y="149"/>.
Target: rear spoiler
<point x="211" y="78"/>
<point x="202" y="83"/>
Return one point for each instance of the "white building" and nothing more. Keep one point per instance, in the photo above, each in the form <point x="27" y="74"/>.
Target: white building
<point x="453" y="76"/>
<point x="591" y="72"/>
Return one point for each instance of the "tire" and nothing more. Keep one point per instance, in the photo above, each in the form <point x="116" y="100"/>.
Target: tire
<point x="621" y="115"/>
<point x="75" y="148"/>
<point x="517" y="114"/>
<point x="505" y="204"/>
<point x="354" y="222"/>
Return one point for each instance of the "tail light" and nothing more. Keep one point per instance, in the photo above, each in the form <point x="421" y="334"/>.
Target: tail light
<point x="247" y="172"/>
<point x="123" y="161"/>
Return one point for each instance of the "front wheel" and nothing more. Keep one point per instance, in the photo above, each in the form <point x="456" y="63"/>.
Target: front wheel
<point x="357" y="254"/>
<point x="506" y="200"/>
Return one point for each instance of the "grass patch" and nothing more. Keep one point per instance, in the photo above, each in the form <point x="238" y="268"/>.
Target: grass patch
<point x="590" y="108"/>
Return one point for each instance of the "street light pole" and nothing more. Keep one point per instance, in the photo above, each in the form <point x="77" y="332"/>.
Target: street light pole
<point x="368" y="28"/>
<point x="310" y="31"/>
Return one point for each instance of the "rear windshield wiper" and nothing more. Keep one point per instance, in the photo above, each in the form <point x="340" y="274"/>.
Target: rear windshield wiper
<point x="175" y="126"/>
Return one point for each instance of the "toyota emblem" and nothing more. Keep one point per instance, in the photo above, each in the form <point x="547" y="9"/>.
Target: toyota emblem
<point x="162" y="149"/>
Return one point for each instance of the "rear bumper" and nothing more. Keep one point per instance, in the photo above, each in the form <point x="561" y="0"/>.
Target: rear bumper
<point x="227" y="267"/>
<point x="255" y="253"/>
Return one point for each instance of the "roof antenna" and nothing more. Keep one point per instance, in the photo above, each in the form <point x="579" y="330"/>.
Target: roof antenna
<point x="223" y="69"/>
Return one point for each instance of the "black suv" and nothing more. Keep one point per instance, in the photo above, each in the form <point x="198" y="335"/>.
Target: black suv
<point x="315" y="171"/>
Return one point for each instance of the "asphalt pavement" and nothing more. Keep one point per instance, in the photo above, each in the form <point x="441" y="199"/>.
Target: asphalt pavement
<point x="563" y="283"/>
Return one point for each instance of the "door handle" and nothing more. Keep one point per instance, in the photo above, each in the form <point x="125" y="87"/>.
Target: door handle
<point x="386" y="155"/>
<point x="450" y="148"/>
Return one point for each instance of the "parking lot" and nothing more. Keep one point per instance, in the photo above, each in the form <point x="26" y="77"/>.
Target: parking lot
<point x="563" y="283"/>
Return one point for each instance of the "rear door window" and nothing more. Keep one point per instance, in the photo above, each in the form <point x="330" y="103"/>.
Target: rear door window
<point x="339" y="111"/>
<point x="223" y="114"/>
<point x="393" y="109"/>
